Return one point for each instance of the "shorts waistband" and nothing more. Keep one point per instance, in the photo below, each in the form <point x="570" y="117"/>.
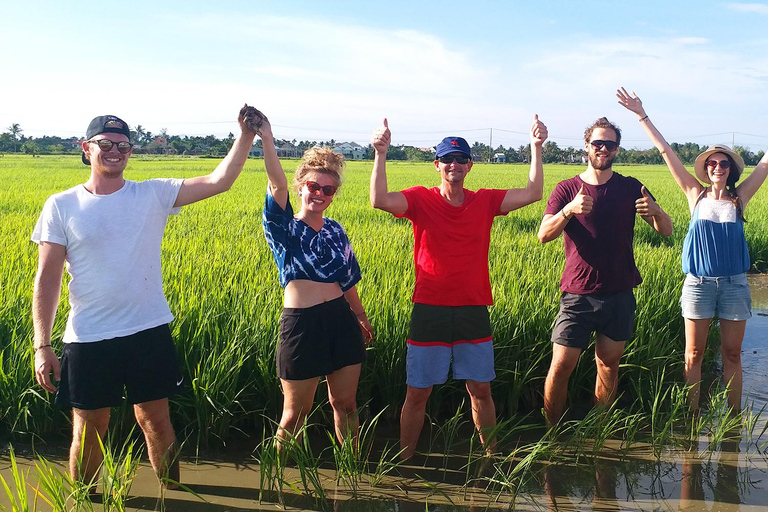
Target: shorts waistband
<point x="331" y="304"/>
<point x="719" y="279"/>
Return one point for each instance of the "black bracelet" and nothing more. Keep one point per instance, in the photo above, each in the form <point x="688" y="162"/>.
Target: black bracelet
<point x="41" y="346"/>
<point x="643" y="119"/>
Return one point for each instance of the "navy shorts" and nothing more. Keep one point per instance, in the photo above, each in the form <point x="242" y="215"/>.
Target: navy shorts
<point x="142" y="367"/>
<point x="318" y="340"/>
<point x="609" y="314"/>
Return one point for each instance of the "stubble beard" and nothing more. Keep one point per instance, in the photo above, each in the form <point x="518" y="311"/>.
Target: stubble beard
<point x="596" y="164"/>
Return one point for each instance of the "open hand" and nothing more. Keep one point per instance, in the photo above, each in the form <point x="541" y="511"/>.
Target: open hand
<point x="366" y="328"/>
<point x="630" y="102"/>
<point x="538" y="131"/>
<point x="381" y="138"/>
<point x="46" y="363"/>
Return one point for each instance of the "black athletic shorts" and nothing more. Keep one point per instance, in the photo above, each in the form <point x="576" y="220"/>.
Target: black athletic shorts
<point x="142" y="367"/>
<point x="610" y="314"/>
<point x="318" y="340"/>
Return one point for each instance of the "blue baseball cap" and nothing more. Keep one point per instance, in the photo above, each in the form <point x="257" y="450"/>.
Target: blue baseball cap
<point x="452" y="145"/>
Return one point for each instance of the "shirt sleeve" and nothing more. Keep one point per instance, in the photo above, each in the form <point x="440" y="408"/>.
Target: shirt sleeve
<point x="50" y="226"/>
<point x="497" y="197"/>
<point x="412" y="197"/>
<point x="558" y="199"/>
<point x="167" y="190"/>
<point x="354" y="275"/>
<point x="276" y="221"/>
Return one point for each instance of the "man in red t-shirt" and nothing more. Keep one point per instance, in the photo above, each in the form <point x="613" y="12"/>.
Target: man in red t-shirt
<point x="452" y="231"/>
<point x="596" y="211"/>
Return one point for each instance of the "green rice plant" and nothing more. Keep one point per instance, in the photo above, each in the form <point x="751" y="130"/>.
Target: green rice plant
<point x="118" y="470"/>
<point x="56" y="489"/>
<point x="18" y="495"/>
<point x="448" y="433"/>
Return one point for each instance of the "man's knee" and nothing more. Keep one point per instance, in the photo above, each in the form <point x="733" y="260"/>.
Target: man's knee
<point x="417" y="397"/>
<point x="479" y="391"/>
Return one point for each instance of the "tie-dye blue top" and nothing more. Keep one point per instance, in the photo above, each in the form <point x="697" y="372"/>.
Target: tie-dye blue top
<point x="300" y="252"/>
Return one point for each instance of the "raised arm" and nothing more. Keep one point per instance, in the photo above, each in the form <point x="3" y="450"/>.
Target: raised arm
<point x="45" y="301"/>
<point x="518" y="197"/>
<point x="225" y="174"/>
<point x="754" y="181"/>
<point x="392" y="202"/>
<point x="652" y="213"/>
<point x="278" y="182"/>
<point x="690" y="185"/>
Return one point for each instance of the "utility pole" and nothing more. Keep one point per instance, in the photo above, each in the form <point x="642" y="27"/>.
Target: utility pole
<point x="490" y="146"/>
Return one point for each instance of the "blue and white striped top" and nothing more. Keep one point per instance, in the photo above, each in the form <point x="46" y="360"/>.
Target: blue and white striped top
<point x="300" y="252"/>
<point x="715" y="245"/>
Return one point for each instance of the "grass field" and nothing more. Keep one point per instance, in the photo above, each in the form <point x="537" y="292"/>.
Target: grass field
<point x="222" y="286"/>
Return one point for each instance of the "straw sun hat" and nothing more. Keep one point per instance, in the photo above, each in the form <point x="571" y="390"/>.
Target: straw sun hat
<point x="700" y="164"/>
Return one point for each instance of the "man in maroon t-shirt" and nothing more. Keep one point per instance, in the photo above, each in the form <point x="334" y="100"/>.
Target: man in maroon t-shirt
<point x="596" y="211"/>
<point x="452" y="231"/>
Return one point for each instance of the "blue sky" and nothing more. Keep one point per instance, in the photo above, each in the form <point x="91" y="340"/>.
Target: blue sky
<point x="323" y="70"/>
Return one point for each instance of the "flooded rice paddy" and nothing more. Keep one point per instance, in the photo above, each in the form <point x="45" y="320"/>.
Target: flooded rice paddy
<point x="731" y="476"/>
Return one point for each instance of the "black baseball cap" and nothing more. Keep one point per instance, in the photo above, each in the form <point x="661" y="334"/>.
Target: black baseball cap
<point x="105" y="124"/>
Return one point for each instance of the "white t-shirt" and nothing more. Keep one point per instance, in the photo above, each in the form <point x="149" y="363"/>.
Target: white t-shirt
<point x="113" y="255"/>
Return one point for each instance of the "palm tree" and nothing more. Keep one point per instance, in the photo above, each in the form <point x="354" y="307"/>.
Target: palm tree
<point x="15" y="130"/>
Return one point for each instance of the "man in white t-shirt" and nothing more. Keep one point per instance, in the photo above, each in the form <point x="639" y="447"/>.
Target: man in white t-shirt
<point x="108" y="232"/>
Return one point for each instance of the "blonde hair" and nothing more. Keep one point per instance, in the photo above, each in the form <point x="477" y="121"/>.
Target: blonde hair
<point x="322" y="160"/>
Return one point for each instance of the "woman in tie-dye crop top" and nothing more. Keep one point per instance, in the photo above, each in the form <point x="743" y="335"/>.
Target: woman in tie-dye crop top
<point x="323" y="327"/>
<point x="715" y="254"/>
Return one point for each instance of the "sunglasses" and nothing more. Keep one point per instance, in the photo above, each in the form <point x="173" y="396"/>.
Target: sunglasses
<point x="315" y="188"/>
<point x="106" y="145"/>
<point x="724" y="164"/>
<point x="459" y="159"/>
<point x="609" y="145"/>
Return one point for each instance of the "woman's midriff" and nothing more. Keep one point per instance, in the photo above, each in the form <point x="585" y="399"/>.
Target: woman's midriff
<point x="301" y="293"/>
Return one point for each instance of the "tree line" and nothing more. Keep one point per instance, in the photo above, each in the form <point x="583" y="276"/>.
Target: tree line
<point x="13" y="140"/>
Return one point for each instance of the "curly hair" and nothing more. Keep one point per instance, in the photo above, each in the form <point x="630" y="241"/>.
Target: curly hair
<point x="322" y="160"/>
<point x="602" y="123"/>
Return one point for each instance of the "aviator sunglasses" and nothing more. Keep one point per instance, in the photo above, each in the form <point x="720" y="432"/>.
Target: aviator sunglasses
<point x="609" y="145"/>
<point x="449" y="159"/>
<point x="106" y="145"/>
<point x="724" y="164"/>
<point x="315" y="188"/>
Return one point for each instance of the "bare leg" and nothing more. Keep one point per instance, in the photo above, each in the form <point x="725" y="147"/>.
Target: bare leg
<point x="342" y="393"/>
<point x="85" y="453"/>
<point x="412" y="419"/>
<point x="564" y="361"/>
<point x="298" y="396"/>
<point x="483" y="412"/>
<point x="731" y="337"/>
<point x="154" y="418"/>
<point x="607" y="357"/>
<point x="696" y="332"/>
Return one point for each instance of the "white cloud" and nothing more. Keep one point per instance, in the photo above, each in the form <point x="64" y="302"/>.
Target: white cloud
<point x="690" y="40"/>
<point x="751" y="8"/>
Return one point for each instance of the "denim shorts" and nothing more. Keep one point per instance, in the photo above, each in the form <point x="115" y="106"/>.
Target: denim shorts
<point x="443" y="336"/>
<point x="727" y="296"/>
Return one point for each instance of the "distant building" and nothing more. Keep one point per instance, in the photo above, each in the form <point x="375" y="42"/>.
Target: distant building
<point x="499" y="158"/>
<point x="256" y="152"/>
<point x="288" y="150"/>
<point x="350" y="150"/>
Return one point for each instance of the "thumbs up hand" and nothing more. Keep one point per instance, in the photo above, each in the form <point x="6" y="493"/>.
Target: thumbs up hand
<point x="538" y="131"/>
<point x="381" y="138"/>
<point x="581" y="204"/>
<point x="646" y="206"/>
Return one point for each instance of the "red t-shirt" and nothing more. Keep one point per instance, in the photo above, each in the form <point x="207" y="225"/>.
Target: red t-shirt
<point x="598" y="246"/>
<point x="450" y="252"/>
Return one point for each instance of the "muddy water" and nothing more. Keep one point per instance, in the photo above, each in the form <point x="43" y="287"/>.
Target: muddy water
<point x="732" y="478"/>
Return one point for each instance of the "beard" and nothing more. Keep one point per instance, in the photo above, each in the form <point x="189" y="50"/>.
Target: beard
<point x="601" y="166"/>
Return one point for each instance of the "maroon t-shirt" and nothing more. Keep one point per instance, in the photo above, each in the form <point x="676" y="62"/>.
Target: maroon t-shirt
<point x="598" y="245"/>
<point x="450" y="251"/>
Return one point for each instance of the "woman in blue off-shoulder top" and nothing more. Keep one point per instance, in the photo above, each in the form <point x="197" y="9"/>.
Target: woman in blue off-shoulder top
<point x="323" y="327"/>
<point x="715" y="255"/>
